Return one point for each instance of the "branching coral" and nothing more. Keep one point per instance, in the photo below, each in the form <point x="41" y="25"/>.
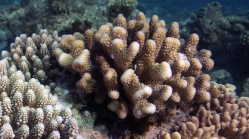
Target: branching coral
<point x="140" y="62"/>
<point x="28" y="108"/>
<point x="223" y="117"/>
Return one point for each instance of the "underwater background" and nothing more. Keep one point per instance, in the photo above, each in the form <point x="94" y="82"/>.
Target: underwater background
<point x="124" y="69"/>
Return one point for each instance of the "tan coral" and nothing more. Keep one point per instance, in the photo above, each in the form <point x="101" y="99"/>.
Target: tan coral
<point x="22" y="94"/>
<point x="119" y="33"/>
<point x="140" y="38"/>
<point x="6" y="132"/>
<point x="104" y="29"/>
<point x="18" y="87"/>
<point x="194" y="69"/>
<point x="143" y="107"/>
<point x="111" y="83"/>
<point x="78" y="36"/>
<point x="48" y="114"/>
<point x="22" y="132"/>
<point x="89" y="39"/>
<point x="160" y="72"/>
<point x="21" y="117"/>
<point x="71" y="129"/>
<point x="119" y="107"/>
<point x="173" y="30"/>
<point x="160" y="95"/>
<point x="82" y="63"/>
<point x="134" y="89"/>
<point x="41" y="76"/>
<point x="3" y="68"/>
<point x="37" y="131"/>
<point x="158" y="36"/>
<point x="53" y="125"/>
<point x="6" y="106"/>
<point x="17" y="101"/>
<point x="105" y="41"/>
<point x="140" y="16"/>
<point x="36" y="117"/>
<point x="214" y="91"/>
<point x="120" y="20"/>
<point x="42" y="99"/>
<point x="66" y="41"/>
<point x="4" y="82"/>
<point x="54" y="135"/>
<point x="29" y="98"/>
<point x="43" y="50"/>
<point x="16" y="58"/>
<point x="173" y="135"/>
<point x="66" y="60"/>
<point x="187" y="94"/>
<point x="86" y="83"/>
<point x="169" y="50"/>
<point x="146" y="60"/>
<point x="76" y="48"/>
<point x="37" y="65"/>
<point x="204" y="57"/>
<point x="123" y="56"/>
<point x="66" y="114"/>
<point x="189" y="48"/>
<point x="24" y="67"/>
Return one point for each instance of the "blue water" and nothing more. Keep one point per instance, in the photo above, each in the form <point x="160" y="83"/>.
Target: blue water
<point x="199" y="3"/>
<point x="179" y="10"/>
<point x="186" y="6"/>
<point x="6" y="2"/>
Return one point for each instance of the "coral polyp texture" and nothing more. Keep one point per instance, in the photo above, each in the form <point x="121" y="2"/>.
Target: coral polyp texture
<point x="138" y="66"/>
<point x="28" y="108"/>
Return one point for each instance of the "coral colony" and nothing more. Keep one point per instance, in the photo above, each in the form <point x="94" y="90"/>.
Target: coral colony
<point x="134" y="68"/>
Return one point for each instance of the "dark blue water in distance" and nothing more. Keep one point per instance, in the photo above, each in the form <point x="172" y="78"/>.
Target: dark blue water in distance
<point x="180" y="10"/>
<point x="198" y="3"/>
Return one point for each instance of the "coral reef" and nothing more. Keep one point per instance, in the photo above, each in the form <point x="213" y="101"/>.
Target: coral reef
<point x="244" y="39"/>
<point x="3" y="40"/>
<point x="65" y="16"/>
<point x="216" y="28"/>
<point x="226" y="36"/>
<point x="245" y="88"/>
<point x="139" y="73"/>
<point x="125" y="7"/>
<point x="221" y="76"/>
